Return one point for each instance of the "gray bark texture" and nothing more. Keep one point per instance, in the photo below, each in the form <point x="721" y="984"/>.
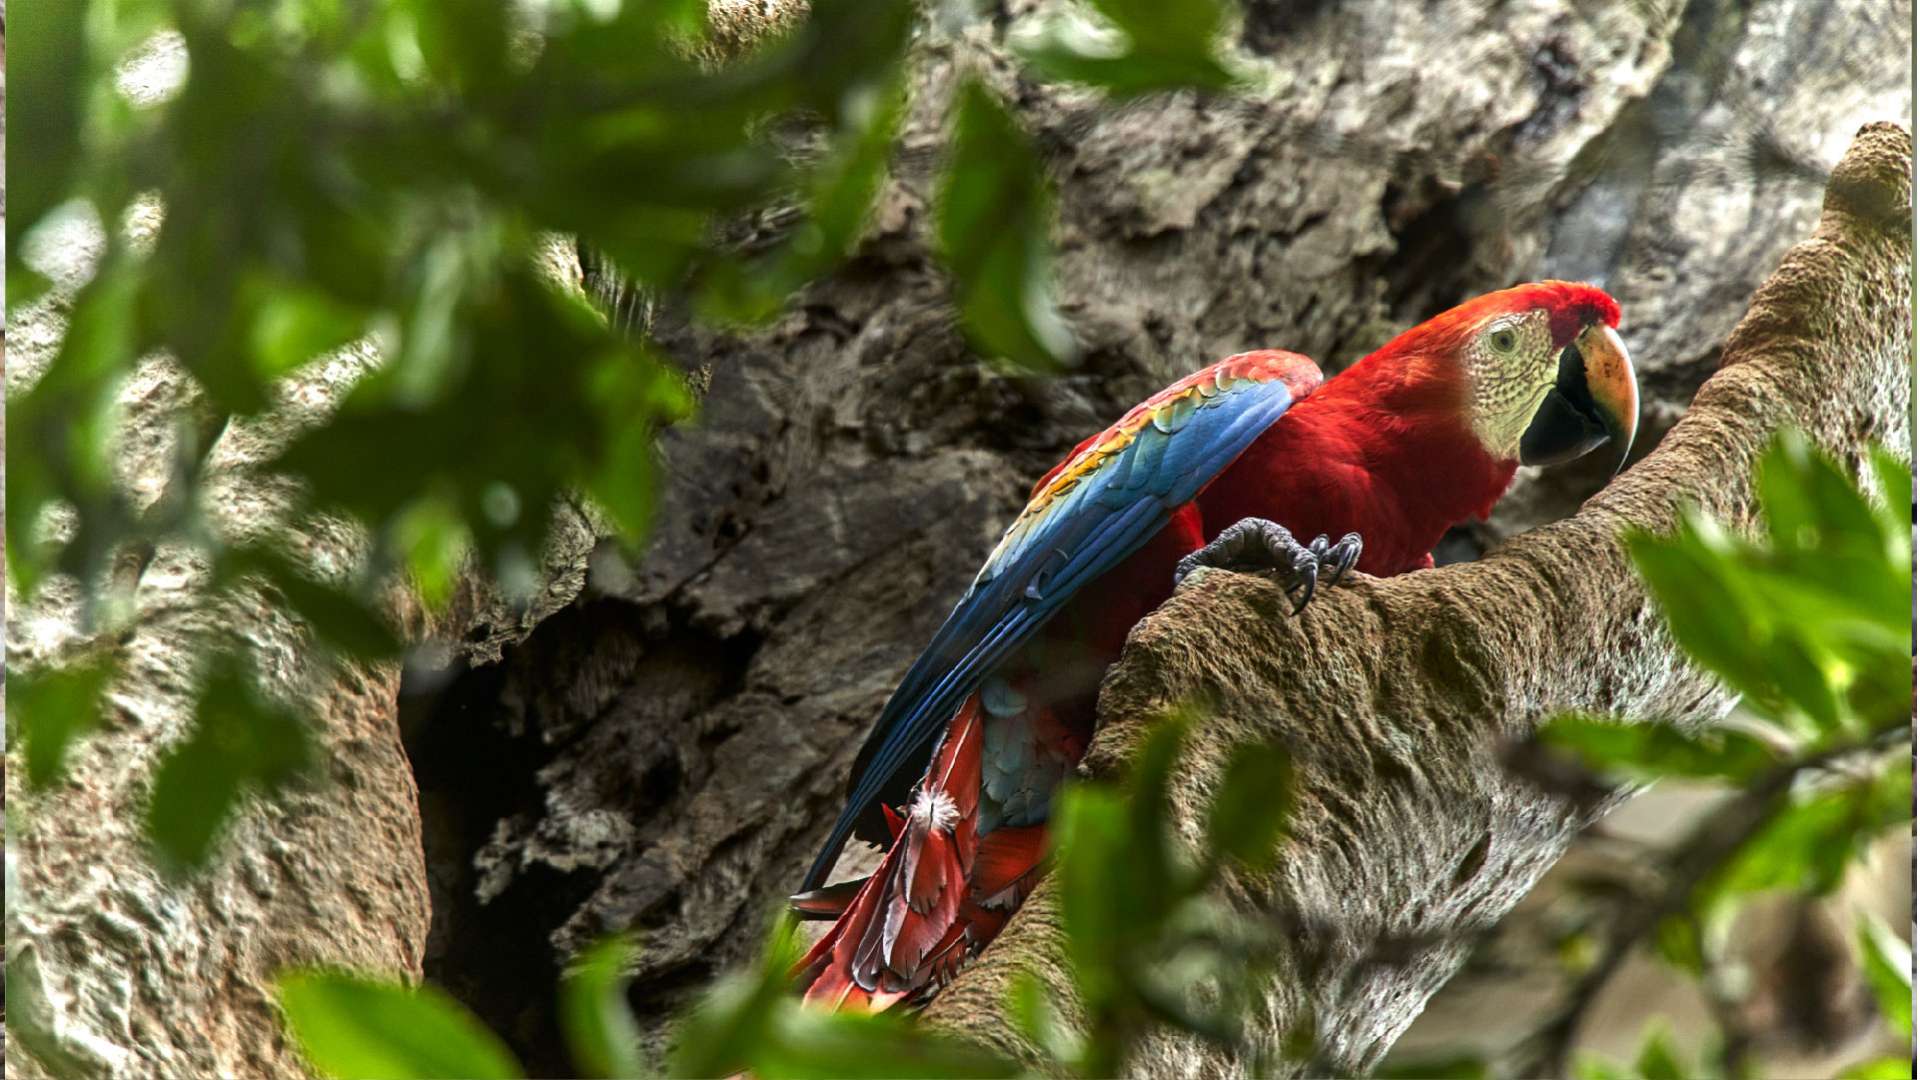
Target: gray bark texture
<point x="659" y="745"/>
<point x="115" y="969"/>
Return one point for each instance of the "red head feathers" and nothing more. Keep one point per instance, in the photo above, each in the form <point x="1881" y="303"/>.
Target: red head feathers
<point x="1569" y="305"/>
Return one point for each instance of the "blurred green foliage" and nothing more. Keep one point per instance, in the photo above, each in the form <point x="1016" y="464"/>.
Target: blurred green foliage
<point x="1888" y="962"/>
<point x="994" y="207"/>
<point x="1143" y="930"/>
<point x="383" y="175"/>
<point x="67" y="701"/>
<point x="350" y="1026"/>
<point x="754" y="1022"/>
<point x="594" y="1014"/>
<point x="239" y="741"/>
<point x="1810" y="621"/>
<point x="1134" y="47"/>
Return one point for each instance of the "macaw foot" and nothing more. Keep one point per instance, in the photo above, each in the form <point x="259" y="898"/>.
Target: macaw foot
<point x="1259" y="544"/>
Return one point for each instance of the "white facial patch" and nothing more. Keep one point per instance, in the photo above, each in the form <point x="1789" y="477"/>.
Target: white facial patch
<point x="1511" y="364"/>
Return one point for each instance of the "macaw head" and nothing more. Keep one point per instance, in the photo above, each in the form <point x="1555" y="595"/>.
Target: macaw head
<point x="1545" y="377"/>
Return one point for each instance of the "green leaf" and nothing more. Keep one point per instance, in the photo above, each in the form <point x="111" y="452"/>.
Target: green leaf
<point x="1708" y="598"/>
<point x="601" y="1030"/>
<point x="50" y="707"/>
<point x="432" y="542"/>
<point x="272" y="241"/>
<point x="633" y="393"/>
<point x="465" y="49"/>
<point x="1594" y="1067"/>
<point x="1031" y="1006"/>
<point x="1657" y="1060"/>
<point x="351" y="1027"/>
<point x="1707" y="616"/>
<point x="635" y="104"/>
<point x="1888" y="963"/>
<point x="1651" y="750"/>
<point x="1809" y="843"/>
<point x="1813" y="626"/>
<point x="1885" y="1068"/>
<point x="195" y="790"/>
<point x="1093" y="846"/>
<point x="61" y="432"/>
<point x="542" y="397"/>
<point x="239" y="741"/>
<point x="48" y="62"/>
<point x="294" y="324"/>
<point x="24" y="284"/>
<point x="995" y="217"/>
<point x="1676" y="939"/>
<point x="1454" y="1067"/>
<point x="1249" y="814"/>
<point x="733" y="1023"/>
<point x="1894" y="484"/>
<point x="1145" y="47"/>
<point x="841" y="194"/>
<point x="860" y="1046"/>
<point x="751" y="1022"/>
<point x="344" y="621"/>
<point x="1153" y="877"/>
<point x="1808" y="502"/>
<point x="1838" y="572"/>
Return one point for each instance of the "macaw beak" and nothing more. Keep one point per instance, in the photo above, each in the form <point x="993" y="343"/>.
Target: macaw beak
<point x="1594" y="400"/>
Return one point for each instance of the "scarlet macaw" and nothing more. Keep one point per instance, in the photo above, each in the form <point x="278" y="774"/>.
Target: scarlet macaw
<point x="1224" y="468"/>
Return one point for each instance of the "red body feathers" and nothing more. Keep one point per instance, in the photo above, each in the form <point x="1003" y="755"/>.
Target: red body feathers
<point x="1386" y="449"/>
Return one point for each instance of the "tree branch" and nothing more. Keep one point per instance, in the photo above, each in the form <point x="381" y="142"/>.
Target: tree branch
<point x="1708" y="849"/>
<point x="1396" y="695"/>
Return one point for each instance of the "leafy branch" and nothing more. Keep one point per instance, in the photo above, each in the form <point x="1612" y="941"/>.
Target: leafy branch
<point x="1809" y="622"/>
<point x="1710" y="857"/>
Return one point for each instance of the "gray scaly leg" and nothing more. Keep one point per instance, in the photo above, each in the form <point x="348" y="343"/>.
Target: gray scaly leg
<point x="1259" y="544"/>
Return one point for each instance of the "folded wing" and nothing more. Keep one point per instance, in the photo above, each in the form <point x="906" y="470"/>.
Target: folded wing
<point x="1093" y="510"/>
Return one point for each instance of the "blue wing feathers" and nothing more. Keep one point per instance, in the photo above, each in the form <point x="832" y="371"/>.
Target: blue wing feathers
<point x="1092" y="524"/>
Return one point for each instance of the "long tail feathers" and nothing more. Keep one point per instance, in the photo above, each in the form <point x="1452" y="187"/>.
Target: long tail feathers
<point x="937" y="898"/>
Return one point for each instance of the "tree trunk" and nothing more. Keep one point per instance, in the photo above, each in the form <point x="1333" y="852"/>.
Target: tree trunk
<point x="114" y="968"/>
<point x="1396" y="696"/>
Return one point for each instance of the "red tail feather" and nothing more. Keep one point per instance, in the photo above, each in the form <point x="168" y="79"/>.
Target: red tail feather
<point x="926" y="909"/>
<point x="1006" y="856"/>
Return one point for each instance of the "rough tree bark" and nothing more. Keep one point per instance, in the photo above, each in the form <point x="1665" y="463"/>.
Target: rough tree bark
<point x="113" y="968"/>
<point x="1396" y="696"/>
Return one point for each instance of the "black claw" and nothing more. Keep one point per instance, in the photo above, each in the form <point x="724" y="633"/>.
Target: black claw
<point x="1253" y="543"/>
<point x="1342" y="556"/>
<point x="1309" y="576"/>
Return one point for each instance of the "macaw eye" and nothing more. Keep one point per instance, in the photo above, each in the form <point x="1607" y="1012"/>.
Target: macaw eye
<point x="1503" y="340"/>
